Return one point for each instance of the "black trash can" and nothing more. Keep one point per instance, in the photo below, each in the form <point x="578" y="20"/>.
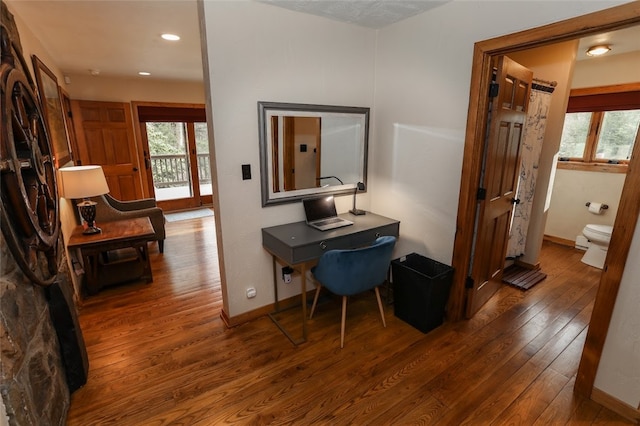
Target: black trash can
<point x="420" y="290"/>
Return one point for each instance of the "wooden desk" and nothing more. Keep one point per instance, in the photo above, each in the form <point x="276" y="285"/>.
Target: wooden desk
<point x="300" y="246"/>
<point x="95" y="251"/>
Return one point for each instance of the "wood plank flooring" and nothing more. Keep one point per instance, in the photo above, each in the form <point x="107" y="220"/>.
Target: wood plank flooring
<point x="159" y="354"/>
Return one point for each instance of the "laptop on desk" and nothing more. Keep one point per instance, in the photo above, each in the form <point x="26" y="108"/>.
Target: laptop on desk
<point x="321" y="213"/>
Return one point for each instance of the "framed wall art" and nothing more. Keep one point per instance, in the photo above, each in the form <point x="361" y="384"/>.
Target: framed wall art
<point x="49" y="93"/>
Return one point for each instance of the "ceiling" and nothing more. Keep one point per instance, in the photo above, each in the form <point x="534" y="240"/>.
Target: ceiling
<point x="82" y="37"/>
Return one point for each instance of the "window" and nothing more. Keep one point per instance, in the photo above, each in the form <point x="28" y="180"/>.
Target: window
<point x="600" y="129"/>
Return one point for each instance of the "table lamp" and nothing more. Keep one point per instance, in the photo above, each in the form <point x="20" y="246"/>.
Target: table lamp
<point x="83" y="182"/>
<point x="359" y="186"/>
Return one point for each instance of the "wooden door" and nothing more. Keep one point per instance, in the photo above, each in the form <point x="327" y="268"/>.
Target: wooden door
<point x="497" y="194"/>
<point x="105" y="137"/>
<point x="301" y="148"/>
<point x="288" y="151"/>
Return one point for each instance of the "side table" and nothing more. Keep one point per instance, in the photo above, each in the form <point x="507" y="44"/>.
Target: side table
<point x="118" y="254"/>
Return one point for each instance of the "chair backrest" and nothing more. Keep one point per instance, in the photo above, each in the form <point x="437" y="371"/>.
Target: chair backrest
<point x="348" y="272"/>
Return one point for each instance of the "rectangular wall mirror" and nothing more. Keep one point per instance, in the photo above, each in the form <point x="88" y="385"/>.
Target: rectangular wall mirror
<point x="311" y="149"/>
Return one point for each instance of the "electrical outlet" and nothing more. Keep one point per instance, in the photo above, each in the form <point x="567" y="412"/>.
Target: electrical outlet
<point x="251" y="293"/>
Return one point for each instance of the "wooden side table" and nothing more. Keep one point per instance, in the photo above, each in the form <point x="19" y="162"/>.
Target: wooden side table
<point x="118" y="254"/>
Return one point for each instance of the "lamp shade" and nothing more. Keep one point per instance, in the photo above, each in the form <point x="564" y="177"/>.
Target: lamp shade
<point x="82" y="182"/>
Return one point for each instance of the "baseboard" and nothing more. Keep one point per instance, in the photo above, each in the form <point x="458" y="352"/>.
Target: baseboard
<point x="558" y="240"/>
<point x="235" y="321"/>
<point x="614" y="404"/>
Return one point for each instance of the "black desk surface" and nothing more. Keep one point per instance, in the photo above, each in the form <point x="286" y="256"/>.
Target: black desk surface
<point x="298" y="242"/>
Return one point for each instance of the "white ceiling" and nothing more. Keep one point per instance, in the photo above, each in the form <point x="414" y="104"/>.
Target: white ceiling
<point x="120" y="38"/>
<point x="366" y="13"/>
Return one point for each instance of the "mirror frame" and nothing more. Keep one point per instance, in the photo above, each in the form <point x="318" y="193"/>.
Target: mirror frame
<point x="265" y="146"/>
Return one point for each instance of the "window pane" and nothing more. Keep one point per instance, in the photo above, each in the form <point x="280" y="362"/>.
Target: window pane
<point x="204" y="166"/>
<point x="574" y="134"/>
<point x="618" y="132"/>
<point x="169" y="160"/>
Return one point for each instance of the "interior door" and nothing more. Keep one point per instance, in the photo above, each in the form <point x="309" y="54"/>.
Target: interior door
<point x="105" y="137"/>
<point x="499" y="179"/>
<point x="302" y="144"/>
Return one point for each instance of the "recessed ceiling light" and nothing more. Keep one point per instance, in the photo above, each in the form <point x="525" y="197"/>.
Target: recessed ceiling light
<point x="170" y="37"/>
<point x="598" y="50"/>
<point x="144" y="73"/>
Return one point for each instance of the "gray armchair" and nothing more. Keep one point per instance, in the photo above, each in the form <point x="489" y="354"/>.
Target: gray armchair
<point x="110" y="209"/>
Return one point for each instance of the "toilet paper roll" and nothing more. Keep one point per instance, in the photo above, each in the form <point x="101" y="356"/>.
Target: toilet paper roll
<point x="595" y="208"/>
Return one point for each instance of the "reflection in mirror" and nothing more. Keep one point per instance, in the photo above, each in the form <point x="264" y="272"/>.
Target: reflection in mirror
<point x="311" y="149"/>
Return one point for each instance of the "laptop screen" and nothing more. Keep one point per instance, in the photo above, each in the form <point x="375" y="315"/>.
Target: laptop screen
<point x="319" y="208"/>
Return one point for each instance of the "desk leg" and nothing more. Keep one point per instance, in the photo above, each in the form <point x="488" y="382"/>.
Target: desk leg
<point x="293" y="340"/>
<point x="275" y="284"/>
<point x="303" y="284"/>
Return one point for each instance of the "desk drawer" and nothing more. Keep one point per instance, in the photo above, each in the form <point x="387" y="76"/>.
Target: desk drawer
<point x="368" y="237"/>
<point x="315" y="250"/>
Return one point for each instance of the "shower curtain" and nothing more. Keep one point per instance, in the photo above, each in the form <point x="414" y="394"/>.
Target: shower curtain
<point x="532" y="139"/>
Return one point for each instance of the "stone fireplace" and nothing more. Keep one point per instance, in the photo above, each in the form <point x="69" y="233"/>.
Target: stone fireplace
<point x="42" y="351"/>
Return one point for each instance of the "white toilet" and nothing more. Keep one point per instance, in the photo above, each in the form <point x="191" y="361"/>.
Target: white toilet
<point x="599" y="236"/>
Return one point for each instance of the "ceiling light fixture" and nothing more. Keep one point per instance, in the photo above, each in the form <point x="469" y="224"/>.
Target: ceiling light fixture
<point x="598" y="50"/>
<point x="144" y="73"/>
<point x="170" y="37"/>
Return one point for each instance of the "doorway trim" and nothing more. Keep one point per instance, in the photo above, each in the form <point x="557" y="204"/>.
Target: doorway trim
<point x="484" y="51"/>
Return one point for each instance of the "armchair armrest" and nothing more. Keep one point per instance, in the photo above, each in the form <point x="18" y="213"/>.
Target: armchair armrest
<point x="144" y="203"/>
<point x="106" y="212"/>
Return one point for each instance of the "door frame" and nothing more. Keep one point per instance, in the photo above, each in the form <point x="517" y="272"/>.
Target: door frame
<point x="605" y="20"/>
<point x="143" y="149"/>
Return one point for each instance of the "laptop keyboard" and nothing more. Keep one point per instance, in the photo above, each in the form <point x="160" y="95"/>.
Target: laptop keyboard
<point x="328" y="221"/>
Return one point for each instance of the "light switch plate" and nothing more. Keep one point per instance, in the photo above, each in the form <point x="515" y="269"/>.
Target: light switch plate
<point x="246" y="171"/>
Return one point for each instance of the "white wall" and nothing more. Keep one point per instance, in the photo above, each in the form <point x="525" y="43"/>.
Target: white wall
<point x="619" y="369"/>
<point x="568" y="213"/>
<point x="422" y="94"/>
<point x="422" y="74"/>
<point x="112" y="89"/>
<point x="264" y="53"/>
<point x="572" y="188"/>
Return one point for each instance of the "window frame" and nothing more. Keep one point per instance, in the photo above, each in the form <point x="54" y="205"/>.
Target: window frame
<point x="599" y="100"/>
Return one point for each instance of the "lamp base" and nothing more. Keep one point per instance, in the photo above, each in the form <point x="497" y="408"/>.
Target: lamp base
<point x="88" y="212"/>
<point x="91" y="230"/>
<point x="357" y="212"/>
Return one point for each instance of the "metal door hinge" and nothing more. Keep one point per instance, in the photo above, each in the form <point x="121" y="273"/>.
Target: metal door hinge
<point x="482" y="194"/>
<point x="493" y="90"/>
<point x="468" y="283"/>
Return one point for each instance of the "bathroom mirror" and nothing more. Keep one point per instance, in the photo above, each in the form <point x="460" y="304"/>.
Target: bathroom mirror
<point x="311" y="149"/>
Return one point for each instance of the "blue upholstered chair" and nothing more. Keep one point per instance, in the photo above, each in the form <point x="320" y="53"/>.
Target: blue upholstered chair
<point x="349" y="272"/>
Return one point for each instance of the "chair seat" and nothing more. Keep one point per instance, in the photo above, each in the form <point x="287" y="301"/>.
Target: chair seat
<point x="349" y="272"/>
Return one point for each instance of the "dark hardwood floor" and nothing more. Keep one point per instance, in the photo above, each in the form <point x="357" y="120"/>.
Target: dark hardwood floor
<point x="159" y="354"/>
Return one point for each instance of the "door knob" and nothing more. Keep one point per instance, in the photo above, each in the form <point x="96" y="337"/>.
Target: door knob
<point x="515" y="201"/>
<point x="135" y="169"/>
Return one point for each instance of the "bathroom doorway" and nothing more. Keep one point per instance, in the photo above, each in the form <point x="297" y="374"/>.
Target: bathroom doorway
<point x="614" y="18"/>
